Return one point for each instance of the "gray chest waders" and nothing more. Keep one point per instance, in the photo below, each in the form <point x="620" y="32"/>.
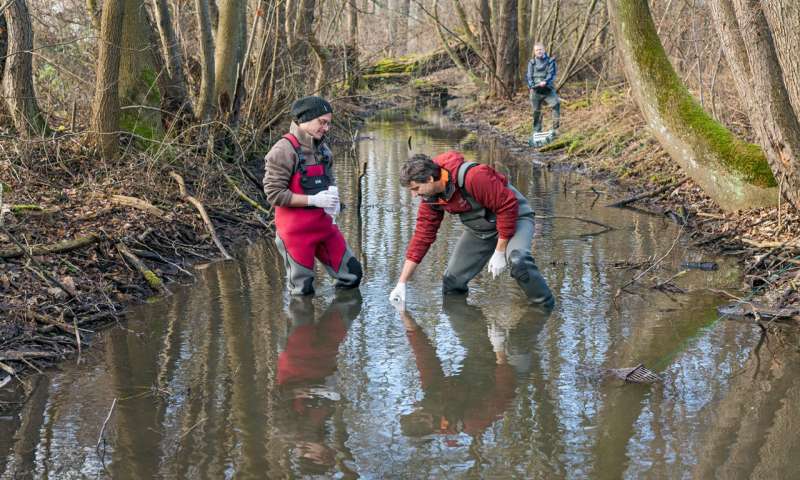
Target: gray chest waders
<point x="477" y="245"/>
<point x="481" y="221"/>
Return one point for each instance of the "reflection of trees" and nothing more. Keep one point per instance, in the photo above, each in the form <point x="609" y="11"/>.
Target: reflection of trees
<point x="754" y="429"/>
<point x="193" y="402"/>
<point x="649" y="343"/>
<point x="19" y="461"/>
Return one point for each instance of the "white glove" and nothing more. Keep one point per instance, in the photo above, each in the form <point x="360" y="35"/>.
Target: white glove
<point x="398" y="295"/>
<point x="497" y="336"/>
<point x="497" y="263"/>
<point x="324" y="199"/>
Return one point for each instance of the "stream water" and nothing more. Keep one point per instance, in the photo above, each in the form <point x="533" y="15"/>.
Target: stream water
<point x="230" y="378"/>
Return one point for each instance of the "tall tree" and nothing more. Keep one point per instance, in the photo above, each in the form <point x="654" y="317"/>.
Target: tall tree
<point x="139" y="73"/>
<point x="205" y="100"/>
<point x="734" y="173"/>
<point x="753" y="56"/>
<point x="105" y="109"/>
<point x="18" y="89"/>
<point x="176" y="95"/>
<point x="229" y="55"/>
<point x="351" y="62"/>
<point x="507" y="60"/>
<point x="398" y="26"/>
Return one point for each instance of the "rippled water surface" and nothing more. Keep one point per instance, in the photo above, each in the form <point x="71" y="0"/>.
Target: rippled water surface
<point x="230" y="378"/>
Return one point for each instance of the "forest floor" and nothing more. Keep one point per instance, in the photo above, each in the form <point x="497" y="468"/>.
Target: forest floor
<point x="604" y="137"/>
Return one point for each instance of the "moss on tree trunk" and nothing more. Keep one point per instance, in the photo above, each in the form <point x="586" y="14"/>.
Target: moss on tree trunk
<point x="734" y="173"/>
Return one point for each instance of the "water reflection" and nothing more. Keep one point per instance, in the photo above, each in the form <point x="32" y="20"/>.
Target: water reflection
<point x="309" y="397"/>
<point x="230" y="378"/>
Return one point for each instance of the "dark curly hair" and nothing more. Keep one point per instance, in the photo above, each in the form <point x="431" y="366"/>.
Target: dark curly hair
<point x="418" y="169"/>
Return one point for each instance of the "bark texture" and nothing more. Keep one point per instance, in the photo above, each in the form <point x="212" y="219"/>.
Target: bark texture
<point x="205" y="99"/>
<point x="105" y="109"/>
<point x="228" y="55"/>
<point x="507" y="68"/>
<point x="18" y="89"/>
<point x="752" y="56"/>
<point x="735" y="174"/>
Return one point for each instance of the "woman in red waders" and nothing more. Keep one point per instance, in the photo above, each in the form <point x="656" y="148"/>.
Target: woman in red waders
<point x="297" y="180"/>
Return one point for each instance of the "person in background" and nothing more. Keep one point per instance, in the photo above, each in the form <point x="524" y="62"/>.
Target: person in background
<point x="300" y="184"/>
<point x="540" y="76"/>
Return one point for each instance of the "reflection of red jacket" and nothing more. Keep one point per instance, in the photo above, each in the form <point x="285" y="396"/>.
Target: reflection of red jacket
<point x="476" y="409"/>
<point x="487" y="187"/>
<point x="311" y="350"/>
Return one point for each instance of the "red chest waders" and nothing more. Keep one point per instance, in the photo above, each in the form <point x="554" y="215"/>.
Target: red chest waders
<point x="305" y="233"/>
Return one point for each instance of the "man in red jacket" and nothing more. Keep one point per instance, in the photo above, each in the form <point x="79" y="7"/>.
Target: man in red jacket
<point x="498" y="219"/>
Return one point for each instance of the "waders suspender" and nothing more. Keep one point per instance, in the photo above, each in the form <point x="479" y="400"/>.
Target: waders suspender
<point x="461" y="181"/>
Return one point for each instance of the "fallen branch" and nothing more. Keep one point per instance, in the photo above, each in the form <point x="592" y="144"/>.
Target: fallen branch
<point x="138" y="204"/>
<point x="58" y="247"/>
<point x="20" y="355"/>
<point x="203" y="214"/>
<point x="51" y="323"/>
<point x="653" y="193"/>
<point x="150" y="276"/>
<point x="243" y="195"/>
<point x="606" y="228"/>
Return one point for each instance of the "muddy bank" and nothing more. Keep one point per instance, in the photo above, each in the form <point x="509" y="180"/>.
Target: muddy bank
<point x="603" y="137"/>
<point x="81" y="240"/>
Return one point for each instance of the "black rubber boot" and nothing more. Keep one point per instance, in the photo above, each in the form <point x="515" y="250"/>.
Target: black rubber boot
<point x="526" y="273"/>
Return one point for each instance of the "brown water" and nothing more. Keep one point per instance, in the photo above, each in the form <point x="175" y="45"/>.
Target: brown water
<point x="229" y="378"/>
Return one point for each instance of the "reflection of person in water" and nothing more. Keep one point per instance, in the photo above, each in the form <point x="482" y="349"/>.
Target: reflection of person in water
<point x="305" y="368"/>
<point x="476" y="397"/>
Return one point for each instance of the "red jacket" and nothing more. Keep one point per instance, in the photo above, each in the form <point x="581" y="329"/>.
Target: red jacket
<point x="487" y="186"/>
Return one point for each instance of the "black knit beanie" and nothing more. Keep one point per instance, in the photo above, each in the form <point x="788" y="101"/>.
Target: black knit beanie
<point x="309" y="108"/>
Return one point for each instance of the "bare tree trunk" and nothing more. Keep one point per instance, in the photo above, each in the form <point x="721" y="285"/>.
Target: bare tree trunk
<point x="18" y="89"/>
<point x="94" y="13"/>
<point x="488" y="48"/>
<point x="573" y="58"/>
<point x="779" y="129"/>
<point x="105" y="108"/>
<point x="735" y="174"/>
<point x="139" y="74"/>
<point x="472" y="40"/>
<point x="228" y="55"/>
<point x="178" y="98"/>
<point x="523" y="25"/>
<point x="551" y="41"/>
<point x="507" y="66"/>
<point x="533" y="28"/>
<point x="205" y="100"/>
<point x="783" y="17"/>
<point x="351" y="61"/>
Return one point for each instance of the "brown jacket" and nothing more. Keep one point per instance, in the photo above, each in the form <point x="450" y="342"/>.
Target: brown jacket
<point x="280" y="162"/>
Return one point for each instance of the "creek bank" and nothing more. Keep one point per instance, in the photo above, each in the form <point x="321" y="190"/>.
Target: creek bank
<point x="80" y="240"/>
<point x="604" y="137"/>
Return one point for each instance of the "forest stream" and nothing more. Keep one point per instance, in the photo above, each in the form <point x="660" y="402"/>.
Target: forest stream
<point x="231" y="378"/>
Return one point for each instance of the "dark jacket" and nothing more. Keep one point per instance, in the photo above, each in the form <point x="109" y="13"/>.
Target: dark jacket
<point x="541" y="70"/>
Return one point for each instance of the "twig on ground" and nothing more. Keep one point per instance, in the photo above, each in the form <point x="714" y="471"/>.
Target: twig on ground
<point x="653" y="193"/>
